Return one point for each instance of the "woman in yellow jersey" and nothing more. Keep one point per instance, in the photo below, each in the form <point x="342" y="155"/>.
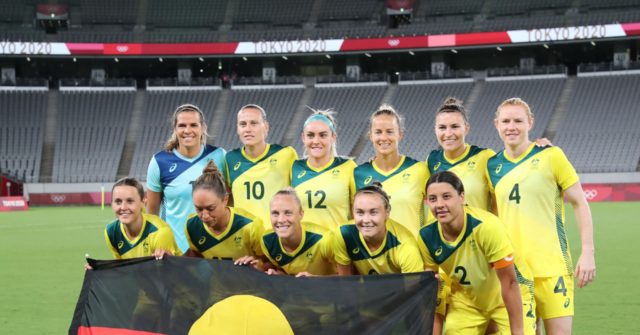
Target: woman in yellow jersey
<point x="135" y="233"/>
<point x="257" y="170"/>
<point x="216" y="230"/>
<point x="322" y="178"/>
<point x="373" y="243"/>
<point x="471" y="246"/>
<point x="529" y="184"/>
<point x="293" y="246"/>
<point x="403" y="178"/>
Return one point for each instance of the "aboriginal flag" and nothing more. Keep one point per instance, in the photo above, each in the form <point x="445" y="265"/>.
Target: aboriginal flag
<point x="184" y="295"/>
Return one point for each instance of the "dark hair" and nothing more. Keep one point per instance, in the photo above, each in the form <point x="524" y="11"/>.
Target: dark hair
<point x="289" y="191"/>
<point x="211" y="180"/>
<point x="453" y="105"/>
<point x="130" y="181"/>
<point x="386" y="109"/>
<point x="449" y="178"/>
<point x="173" y="143"/>
<point x="376" y="188"/>
<point x="256" y="107"/>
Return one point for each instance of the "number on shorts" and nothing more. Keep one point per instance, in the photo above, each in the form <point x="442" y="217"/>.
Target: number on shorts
<point x="560" y="287"/>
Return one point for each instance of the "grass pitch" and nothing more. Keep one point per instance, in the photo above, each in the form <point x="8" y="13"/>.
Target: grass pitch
<point x="42" y="256"/>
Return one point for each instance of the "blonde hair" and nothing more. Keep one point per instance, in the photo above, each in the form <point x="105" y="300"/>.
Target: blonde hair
<point x="326" y="116"/>
<point x="515" y="102"/>
<point x="288" y="191"/>
<point x="172" y="142"/>
<point x="386" y="109"/>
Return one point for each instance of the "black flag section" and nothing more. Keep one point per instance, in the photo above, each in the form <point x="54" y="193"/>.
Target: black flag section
<point x="183" y="295"/>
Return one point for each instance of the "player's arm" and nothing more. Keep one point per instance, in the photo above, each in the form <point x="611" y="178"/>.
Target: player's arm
<point x="346" y="270"/>
<point x="586" y="266"/>
<point x="511" y="297"/>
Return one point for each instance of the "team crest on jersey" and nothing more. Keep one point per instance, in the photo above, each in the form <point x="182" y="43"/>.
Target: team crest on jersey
<point x="309" y="255"/>
<point x="439" y="251"/>
<point x="472" y="244"/>
<point x="405" y="177"/>
<point x="368" y="180"/>
<point x="278" y="257"/>
<point x="355" y="251"/>
<point x="202" y="240"/>
<point x="237" y="166"/>
<point x="145" y="245"/>
<point x="301" y="174"/>
<point x="498" y="168"/>
<point x="471" y="165"/>
<point x="173" y="167"/>
<point x="335" y="172"/>
<point x="535" y="162"/>
<point x="238" y="241"/>
<point x="120" y="244"/>
<point x="436" y="167"/>
<point x="273" y="161"/>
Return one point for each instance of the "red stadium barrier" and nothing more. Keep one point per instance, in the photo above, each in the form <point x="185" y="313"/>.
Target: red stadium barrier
<point x="8" y="204"/>
<point x="85" y="198"/>
<point x="611" y="192"/>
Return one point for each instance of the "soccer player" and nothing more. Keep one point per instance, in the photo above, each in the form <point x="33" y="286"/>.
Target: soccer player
<point x="172" y="170"/>
<point x="471" y="246"/>
<point x="258" y="170"/>
<point x="293" y="246"/>
<point x="403" y="178"/>
<point x="322" y="178"/>
<point x="216" y="230"/>
<point x="135" y="233"/>
<point x="373" y="243"/>
<point x="529" y="184"/>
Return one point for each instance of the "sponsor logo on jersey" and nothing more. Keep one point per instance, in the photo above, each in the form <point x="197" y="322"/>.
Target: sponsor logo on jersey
<point x="278" y="257"/>
<point x="436" y="167"/>
<point x="237" y="166"/>
<point x="202" y="240"/>
<point x="368" y="180"/>
<point x="355" y="251"/>
<point x="173" y="167"/>
<point x="439" y="251"/>
<point x="301" y="174"/>
<point x="120" y="244"/>
<point x="309" y="255"/>
<point x="498" y="168"/>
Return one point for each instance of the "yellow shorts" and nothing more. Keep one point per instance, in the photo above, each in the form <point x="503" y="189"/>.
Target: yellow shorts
<point x="462" y="319"/>
<point x="554" y="296"/>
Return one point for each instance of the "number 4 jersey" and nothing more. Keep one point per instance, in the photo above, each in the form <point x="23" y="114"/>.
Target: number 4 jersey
<point x="529" y="195"/>
<point x="254" y="181"/>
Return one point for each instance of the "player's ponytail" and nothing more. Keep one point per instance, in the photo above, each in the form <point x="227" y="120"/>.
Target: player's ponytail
<point x="386" y="109"/>
<point x="211" y="180"/>
<point x="454" y="105"/>
<point x="172" y="142"/>
<point x="376" y="188"/>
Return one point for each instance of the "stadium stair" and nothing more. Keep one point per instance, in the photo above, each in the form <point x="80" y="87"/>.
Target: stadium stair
<point x="299" y="114"/>
<point x="561" y="108"/>
<point x="216" y="123"/>
<point x="133" y="135"/>
<point x="475" y="94"/>
<point x="51" y="124"/>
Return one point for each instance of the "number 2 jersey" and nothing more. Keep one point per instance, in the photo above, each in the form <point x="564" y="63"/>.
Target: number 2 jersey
<point x="254" y="181"/>
<point x="529" y="192"/>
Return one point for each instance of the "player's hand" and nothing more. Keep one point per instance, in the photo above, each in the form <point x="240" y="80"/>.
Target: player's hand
<point x="160" y="253"/>
<point x="543" y="142"/>
<point x="87" y="266"/>
<point x="304" y="274"/>
<point x="246" y="260"/>
<point x="274" y="272"/>
<point x="585" y="269"/>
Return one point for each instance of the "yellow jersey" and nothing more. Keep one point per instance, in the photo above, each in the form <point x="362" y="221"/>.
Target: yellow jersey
<point x="240" y="238"/>
<point x="254" y="181"/>
<point x="325" y="192"/>
<point x="313" y="255"/>
<point x="398" y="252"/>
<point x="155" y="234"/>
<point x="529" y="193"/>
<point x="405" y="185"/>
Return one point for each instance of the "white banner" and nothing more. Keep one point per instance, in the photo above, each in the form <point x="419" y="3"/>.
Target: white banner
<point x="288" y="47"/>
<point x="566" y="33"/>
<point x="33" y="48"/>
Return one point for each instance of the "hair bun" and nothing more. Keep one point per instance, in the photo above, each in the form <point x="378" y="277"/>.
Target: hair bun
<point x="211" y="168"/>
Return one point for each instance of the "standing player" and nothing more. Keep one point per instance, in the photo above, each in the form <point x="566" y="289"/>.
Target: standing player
<point x="218" y="231"/>
<point x="529" y="184"/>
<point x="322" y="178"/>
<point x="293" y="246"/>
<point x="471" y="246"/>
<point x="373" y="243"/>
<point x="258" y="170"/>
<point x="172" y="170"/>
<point x="135" y="233"/>
<point x="402" y="177"/>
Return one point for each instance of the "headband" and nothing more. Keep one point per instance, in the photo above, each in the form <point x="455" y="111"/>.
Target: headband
<point x="321" y="118"/>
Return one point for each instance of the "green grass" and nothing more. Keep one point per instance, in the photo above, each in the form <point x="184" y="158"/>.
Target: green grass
<point x="42" y="256"/>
